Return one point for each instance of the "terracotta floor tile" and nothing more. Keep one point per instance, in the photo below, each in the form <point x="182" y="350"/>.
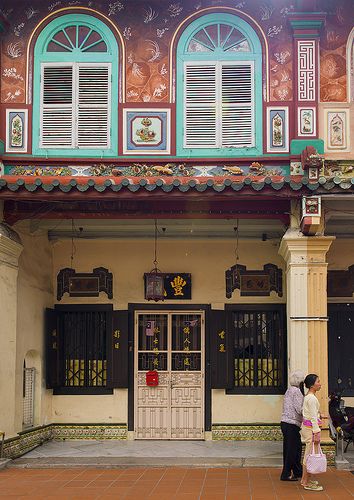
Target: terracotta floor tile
<point x="161" y="497"/>
<point x="187" y="496"/>
<point x="111" y="497"/>
<point x="212" y="497"/>
<point x="166" y="484"/>
<point x="233" y="496"/>
<point x="123" y="482"/>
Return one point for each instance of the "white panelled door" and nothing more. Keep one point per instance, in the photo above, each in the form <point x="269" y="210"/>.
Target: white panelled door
<point x="173" y="344"/>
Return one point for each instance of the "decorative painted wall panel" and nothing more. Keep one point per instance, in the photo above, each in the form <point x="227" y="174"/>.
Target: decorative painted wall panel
<point x="146" y="131"/>
<point x="306" y="121"/>
<point x="306" y="70"/>
<point x="16" y="130"/>
<point x="277" y="129"/>
<point x="336" y="124"/>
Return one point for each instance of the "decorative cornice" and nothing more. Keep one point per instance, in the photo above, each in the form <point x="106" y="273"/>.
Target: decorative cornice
<point x="298" y="249"/>
<point x="251" y="184"/>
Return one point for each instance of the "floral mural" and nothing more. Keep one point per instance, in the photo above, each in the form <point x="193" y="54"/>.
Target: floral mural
<point x="148" y="27"/>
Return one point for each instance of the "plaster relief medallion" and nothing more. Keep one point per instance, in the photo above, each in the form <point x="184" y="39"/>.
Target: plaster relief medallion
<point x="147" y="133"/>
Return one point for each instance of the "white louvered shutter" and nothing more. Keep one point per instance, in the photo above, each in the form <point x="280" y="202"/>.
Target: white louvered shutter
<point x="237" y="106"/>
<point x="57" y="106"/>
<point x="200" y="106"/>
<point x="93" y="120"/>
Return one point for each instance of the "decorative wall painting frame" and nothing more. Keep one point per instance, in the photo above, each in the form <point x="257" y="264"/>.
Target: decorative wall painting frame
<point x="16" y="130"/>
<point x="336" y="122"/>
<point x="147" y="131"/>
<point x="278" y="129"/>
<point x="306" y="122"/>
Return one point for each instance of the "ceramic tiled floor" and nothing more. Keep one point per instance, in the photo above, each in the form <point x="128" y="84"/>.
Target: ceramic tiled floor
<point x="166" y="484"/>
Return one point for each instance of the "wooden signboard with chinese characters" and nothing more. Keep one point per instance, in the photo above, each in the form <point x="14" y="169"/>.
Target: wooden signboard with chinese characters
<point x="177" y="286"/>
<point x="84" y="284"/>
<point x="254" y="283"/>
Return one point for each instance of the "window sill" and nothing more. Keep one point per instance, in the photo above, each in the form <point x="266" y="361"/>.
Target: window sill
<point x="82" y="391"/>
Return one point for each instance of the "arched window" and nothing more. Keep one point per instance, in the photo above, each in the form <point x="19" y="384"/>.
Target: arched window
<point x="219" y="88"/>
<point x="75" y="88"/>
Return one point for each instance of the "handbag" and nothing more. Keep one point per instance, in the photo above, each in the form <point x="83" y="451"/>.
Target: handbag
<point x="316" y="463"/>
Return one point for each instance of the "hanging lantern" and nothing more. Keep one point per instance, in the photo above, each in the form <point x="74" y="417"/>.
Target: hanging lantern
<point x="154" y="280"/>
<point x="154" y="285"/>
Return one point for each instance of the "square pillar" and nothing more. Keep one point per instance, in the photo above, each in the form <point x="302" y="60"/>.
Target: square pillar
<point x="306" y="284"/>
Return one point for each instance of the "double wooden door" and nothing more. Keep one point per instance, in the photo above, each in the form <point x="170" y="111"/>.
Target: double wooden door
<point x="172" y="343"/>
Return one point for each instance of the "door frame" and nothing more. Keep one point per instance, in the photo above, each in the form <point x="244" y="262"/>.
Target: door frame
<point x="132" y="308"/>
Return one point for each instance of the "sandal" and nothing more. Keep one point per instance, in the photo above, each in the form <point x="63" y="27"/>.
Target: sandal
<point x="316" y="483"/>
<point x="313" y="487"/>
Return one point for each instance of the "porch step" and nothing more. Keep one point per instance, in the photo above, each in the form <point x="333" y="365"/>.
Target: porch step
<point x="125" y="462"/>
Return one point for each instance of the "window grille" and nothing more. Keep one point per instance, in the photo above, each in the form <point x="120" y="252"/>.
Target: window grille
<point x="28" y="396"/>
<point x="259" y="350"/>
<point x="84" y="348"/>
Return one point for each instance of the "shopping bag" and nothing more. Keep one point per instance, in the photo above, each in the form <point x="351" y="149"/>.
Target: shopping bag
<point x="316" y="463"/>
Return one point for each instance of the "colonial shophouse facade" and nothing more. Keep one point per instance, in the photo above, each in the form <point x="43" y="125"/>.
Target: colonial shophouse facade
<point x="176" y="194"/>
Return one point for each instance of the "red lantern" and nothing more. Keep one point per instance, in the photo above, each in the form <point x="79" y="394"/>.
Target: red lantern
<point x="152" y="378"/>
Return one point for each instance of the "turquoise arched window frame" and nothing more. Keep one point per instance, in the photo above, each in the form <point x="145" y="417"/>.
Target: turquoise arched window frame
<point x="101" y="48"/>
<point x="252" y="54"/>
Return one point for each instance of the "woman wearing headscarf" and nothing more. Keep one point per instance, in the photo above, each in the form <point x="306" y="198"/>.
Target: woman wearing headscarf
<point x="290" y="426"/>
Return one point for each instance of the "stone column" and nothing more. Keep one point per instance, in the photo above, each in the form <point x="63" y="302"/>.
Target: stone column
<point x="10" y="250"/>
<point x="306" y="277"/>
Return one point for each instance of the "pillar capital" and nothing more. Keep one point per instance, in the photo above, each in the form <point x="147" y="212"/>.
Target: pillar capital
<point x="296" y="248"/>
<point x="10" y="245"/>
<point x="307" y="25"/>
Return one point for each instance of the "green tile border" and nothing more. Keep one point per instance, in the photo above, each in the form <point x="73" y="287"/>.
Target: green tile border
<point x="29" y="439"/>
<point x="244" y="432"/>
